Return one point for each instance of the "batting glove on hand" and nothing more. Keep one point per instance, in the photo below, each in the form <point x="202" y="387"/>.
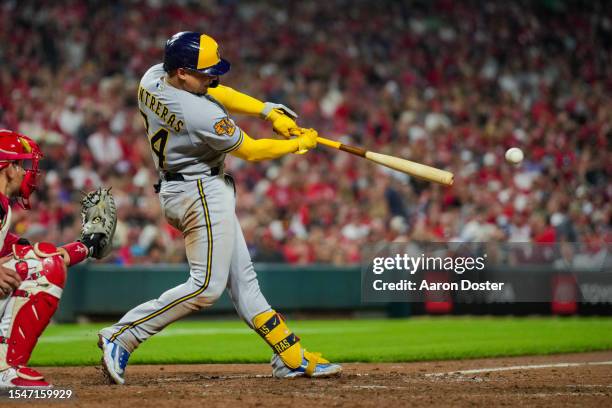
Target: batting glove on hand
<point x="307" y="139"/>
<point x="281" y="117"/>
<point x="99" y="216"/>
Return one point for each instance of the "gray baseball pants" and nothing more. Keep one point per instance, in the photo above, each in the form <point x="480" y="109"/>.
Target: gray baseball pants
<point x="204" y="210"/>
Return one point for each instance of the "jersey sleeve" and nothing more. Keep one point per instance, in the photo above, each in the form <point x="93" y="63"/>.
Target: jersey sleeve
<point x="213" y="126"/>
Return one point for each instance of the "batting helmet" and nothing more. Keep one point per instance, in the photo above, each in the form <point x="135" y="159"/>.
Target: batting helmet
<point x="15" y="147"/>
<point x="194" y="51"/>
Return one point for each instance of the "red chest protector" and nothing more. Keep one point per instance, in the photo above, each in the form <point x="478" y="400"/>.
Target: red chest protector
<point x="27" y="312"/>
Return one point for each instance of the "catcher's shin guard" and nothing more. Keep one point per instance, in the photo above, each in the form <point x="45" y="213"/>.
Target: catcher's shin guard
<point x="272" y="327"/>
<point x="31" y="306"/>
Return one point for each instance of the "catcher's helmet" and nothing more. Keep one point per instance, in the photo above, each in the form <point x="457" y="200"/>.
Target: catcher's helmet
<point x="15" y="147"/>
<point x="194" y="51"/>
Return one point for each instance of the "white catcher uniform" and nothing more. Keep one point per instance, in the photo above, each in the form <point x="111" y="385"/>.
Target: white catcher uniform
<point x="189" y="137"/>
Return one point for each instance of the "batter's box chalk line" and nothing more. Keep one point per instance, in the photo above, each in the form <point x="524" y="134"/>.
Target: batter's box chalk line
<point x="515" y="368"/>
<point x="215" y="377"/>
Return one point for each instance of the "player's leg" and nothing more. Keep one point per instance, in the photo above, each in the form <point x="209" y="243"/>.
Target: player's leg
<point x="28" y="311"/>
<point x="204" y="211"/>
<point x="290" y="358"/>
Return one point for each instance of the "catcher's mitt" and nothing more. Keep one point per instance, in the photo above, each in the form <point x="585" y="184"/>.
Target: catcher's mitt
<point x="99" y="220"/>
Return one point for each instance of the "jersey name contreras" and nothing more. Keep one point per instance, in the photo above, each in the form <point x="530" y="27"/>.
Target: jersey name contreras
<point x="188" y="133"/>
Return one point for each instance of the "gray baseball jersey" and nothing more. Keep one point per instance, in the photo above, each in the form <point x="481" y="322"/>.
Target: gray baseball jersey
<point x="188" y="133"/>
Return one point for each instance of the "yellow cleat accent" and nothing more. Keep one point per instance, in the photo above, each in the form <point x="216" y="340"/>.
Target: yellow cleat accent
<point x="313" y="360"/>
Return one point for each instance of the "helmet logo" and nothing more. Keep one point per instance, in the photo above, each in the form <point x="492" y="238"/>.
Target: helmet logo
<point x="209" y="52"/>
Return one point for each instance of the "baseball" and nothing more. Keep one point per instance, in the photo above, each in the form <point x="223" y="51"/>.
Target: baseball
<point x="514" y="155"/>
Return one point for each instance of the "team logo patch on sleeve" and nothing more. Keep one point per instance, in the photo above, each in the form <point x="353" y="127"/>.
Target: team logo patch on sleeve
<point x="225" y="127"/>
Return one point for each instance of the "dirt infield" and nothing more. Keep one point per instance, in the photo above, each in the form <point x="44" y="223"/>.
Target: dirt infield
<point x="560" y="380"/>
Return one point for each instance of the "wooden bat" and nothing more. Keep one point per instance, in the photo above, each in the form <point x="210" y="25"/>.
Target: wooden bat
<point x="414" y="169"/>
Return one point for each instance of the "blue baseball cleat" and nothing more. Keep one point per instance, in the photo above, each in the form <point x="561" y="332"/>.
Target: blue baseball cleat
<point x="114" y="360"/>
<point x="313" y="365"/>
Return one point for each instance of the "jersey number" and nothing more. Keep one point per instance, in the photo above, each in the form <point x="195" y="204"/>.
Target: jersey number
<point x="158" y="141"/>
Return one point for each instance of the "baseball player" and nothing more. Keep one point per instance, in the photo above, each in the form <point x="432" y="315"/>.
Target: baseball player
<point x="186" y="115"/>
<point x="32" y="277"/>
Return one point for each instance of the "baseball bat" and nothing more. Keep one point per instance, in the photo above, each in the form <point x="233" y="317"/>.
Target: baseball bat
<point x="411" y="168"/>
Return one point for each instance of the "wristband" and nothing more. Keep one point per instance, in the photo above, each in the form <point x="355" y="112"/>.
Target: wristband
<point x="77" y="252"/>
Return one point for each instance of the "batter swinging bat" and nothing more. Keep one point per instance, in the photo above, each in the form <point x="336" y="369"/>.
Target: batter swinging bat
<point x="414" y="169"/>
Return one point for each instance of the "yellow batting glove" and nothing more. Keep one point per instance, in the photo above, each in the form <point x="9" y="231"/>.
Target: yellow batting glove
<point x="281" y="117"/>
<point x="307" y="139"/>
<point x="297" y="133"/>
<point x="282" y="124"/>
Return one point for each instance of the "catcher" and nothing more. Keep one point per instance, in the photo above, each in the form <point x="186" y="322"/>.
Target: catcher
<point x="32" y="276"/>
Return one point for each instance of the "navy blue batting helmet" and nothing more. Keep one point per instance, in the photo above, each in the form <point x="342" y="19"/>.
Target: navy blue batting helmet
<point x="194" y="51"/>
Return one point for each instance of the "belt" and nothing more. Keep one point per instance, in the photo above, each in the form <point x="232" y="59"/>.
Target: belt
<point x="169" y="176"/>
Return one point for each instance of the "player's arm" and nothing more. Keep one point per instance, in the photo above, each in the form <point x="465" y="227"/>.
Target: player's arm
<point x="281" y="117"/>
<point x="72" y="253"/>
<point x="268" y="149"/>
<point x="237" y="102"/>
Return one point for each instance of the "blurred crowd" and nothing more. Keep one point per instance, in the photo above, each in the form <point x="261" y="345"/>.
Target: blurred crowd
<point x="449" y="84"/>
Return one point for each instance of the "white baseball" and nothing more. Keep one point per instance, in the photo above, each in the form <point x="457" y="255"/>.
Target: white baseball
<point x="514" y="155"/>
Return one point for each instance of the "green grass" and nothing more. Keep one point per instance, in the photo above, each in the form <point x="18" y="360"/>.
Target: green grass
<point x="342" y="340"/>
